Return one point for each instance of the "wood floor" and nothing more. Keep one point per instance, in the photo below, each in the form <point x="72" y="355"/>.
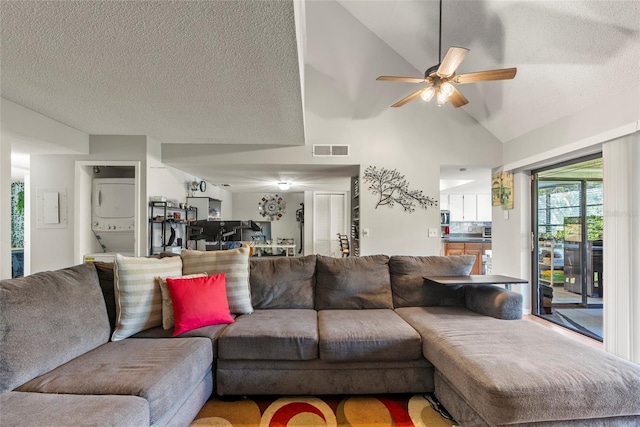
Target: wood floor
<point x="564" y="331"/>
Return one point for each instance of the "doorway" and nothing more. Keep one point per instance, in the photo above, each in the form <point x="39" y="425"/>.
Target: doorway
<point x="329" y="220"/>
<point x="567" y="209"/>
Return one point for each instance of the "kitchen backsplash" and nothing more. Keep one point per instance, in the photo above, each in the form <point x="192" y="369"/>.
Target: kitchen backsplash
<point x="458" y="227"/>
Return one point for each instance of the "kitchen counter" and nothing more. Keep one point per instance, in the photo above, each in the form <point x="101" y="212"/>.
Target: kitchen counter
<point x="466" y="239"/>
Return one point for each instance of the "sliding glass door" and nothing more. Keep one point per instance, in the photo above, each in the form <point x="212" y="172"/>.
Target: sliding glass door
<point x="567" y="233"/>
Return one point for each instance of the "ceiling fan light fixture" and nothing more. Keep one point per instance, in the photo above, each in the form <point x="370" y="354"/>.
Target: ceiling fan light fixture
<point x="447" y="89"/>
<point x="441" y="98"/>
<point x="284" y="186"/>
<point x="428" y="93"/>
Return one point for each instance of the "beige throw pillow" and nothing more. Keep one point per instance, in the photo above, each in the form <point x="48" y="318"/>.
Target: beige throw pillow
<point x="234" y="264"/>
<point x="138" y="295"/>
<point x="167" y="304"/>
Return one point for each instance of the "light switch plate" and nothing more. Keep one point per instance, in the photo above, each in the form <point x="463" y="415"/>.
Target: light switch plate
<point x="365" y="232"/>
<point x="433" y="232"/>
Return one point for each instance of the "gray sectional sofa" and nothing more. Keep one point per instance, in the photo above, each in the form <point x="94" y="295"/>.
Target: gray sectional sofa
<point x="320" y="326"/>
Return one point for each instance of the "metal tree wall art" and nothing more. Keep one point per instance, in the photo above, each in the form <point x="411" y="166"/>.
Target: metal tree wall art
<point x="393" y="188"/>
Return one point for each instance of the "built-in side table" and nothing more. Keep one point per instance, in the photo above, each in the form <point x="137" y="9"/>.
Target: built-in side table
<point x="476" y="279"/>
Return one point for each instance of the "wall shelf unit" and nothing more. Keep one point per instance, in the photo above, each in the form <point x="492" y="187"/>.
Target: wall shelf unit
<point x="165" y="214"/>
<point x="355" y="216"/>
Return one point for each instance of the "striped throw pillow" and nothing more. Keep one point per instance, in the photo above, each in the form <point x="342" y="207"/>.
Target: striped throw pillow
<point x="138" y="296"/>
<point x="168" y="320"/>
<point x="234" y="263"/>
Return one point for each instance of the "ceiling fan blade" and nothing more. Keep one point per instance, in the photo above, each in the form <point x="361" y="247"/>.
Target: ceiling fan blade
<point x="457" y="99"/>
<point x="451" y="61"/>
<point x="402" y="79"/>
<point x="502" y="74"/>
<point x="408" y="98"/>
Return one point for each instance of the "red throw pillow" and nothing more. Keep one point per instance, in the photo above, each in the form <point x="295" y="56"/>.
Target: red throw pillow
<point x="198" y="302"/>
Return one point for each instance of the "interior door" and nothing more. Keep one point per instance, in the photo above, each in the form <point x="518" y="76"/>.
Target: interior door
<point x="329" y="220"/>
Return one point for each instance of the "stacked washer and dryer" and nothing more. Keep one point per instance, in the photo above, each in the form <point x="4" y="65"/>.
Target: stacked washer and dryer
<point x="113" y="217"/>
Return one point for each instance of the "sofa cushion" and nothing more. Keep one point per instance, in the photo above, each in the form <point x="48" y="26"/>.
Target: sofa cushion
<point x="64" y="410"/>
<point x="233" y="263"/>
<point x="138" y="296"/>
<point x="373" y="335"/>
<point x="516" y="371"/>
<point x="158" y="370"/>
<point x="411" y="290"/>
<point x="168" y="321"/>
<point x="211" y="332"/>
<point x="283" y="282"/>
<point x="353" y="282"/>
<point x="48" y="319"/>
<point x="198" y="302"/>
<point x="274" y="334"/>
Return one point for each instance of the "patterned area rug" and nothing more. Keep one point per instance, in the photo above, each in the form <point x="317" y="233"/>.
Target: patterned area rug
<point x="330" y="411"/>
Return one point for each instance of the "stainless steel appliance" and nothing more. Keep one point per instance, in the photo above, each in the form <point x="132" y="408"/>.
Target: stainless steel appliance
<point x="445" y="218"/>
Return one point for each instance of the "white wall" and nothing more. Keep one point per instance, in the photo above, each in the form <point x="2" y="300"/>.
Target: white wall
<point x="55" y="247"/>
<point x="38" y="133"/>
<point x="589" y="128"/>
<point x="511" y="238"/>
<point x="415" y="139"/>
<point x="25" y="131"/>
<point x="5" y="209"/>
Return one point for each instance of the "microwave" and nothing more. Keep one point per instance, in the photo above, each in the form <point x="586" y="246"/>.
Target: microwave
<point x="445" y="218"/>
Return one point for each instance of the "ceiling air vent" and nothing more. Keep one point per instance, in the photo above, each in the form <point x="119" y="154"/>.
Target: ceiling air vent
<point x="330" y="150"/>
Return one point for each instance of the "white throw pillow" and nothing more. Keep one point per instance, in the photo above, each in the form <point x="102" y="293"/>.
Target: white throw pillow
<point x="234" y="264"/>
<point x="167" y="305"/>
<point x="138" y="295"/>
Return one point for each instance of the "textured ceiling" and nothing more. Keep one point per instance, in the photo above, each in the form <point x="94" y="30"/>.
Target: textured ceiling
<point x="228" y="71"/>
<point x="178" y="71"/>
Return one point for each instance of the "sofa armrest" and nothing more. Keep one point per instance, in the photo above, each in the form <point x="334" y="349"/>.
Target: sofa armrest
<point x="493" y="301"/>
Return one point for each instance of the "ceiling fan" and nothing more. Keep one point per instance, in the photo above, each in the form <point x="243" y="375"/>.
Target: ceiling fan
<point x="440" y="78"/>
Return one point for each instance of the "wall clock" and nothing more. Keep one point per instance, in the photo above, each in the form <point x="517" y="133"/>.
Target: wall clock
<point x="272" y="206"/>
<point x="203" y="186"/>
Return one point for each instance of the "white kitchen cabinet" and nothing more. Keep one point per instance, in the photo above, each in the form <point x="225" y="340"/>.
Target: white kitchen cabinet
<point x="444" y="202"/>
<point x="484" y="207"/>
<point x="469" y="206"/>
<point x="456" y="207"/>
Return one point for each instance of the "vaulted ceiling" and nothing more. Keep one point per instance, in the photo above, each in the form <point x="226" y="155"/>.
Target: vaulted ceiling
<point x="228" y="72"/>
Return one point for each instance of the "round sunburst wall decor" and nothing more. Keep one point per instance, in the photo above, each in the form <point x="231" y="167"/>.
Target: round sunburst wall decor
<point x="272" y="206"/>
